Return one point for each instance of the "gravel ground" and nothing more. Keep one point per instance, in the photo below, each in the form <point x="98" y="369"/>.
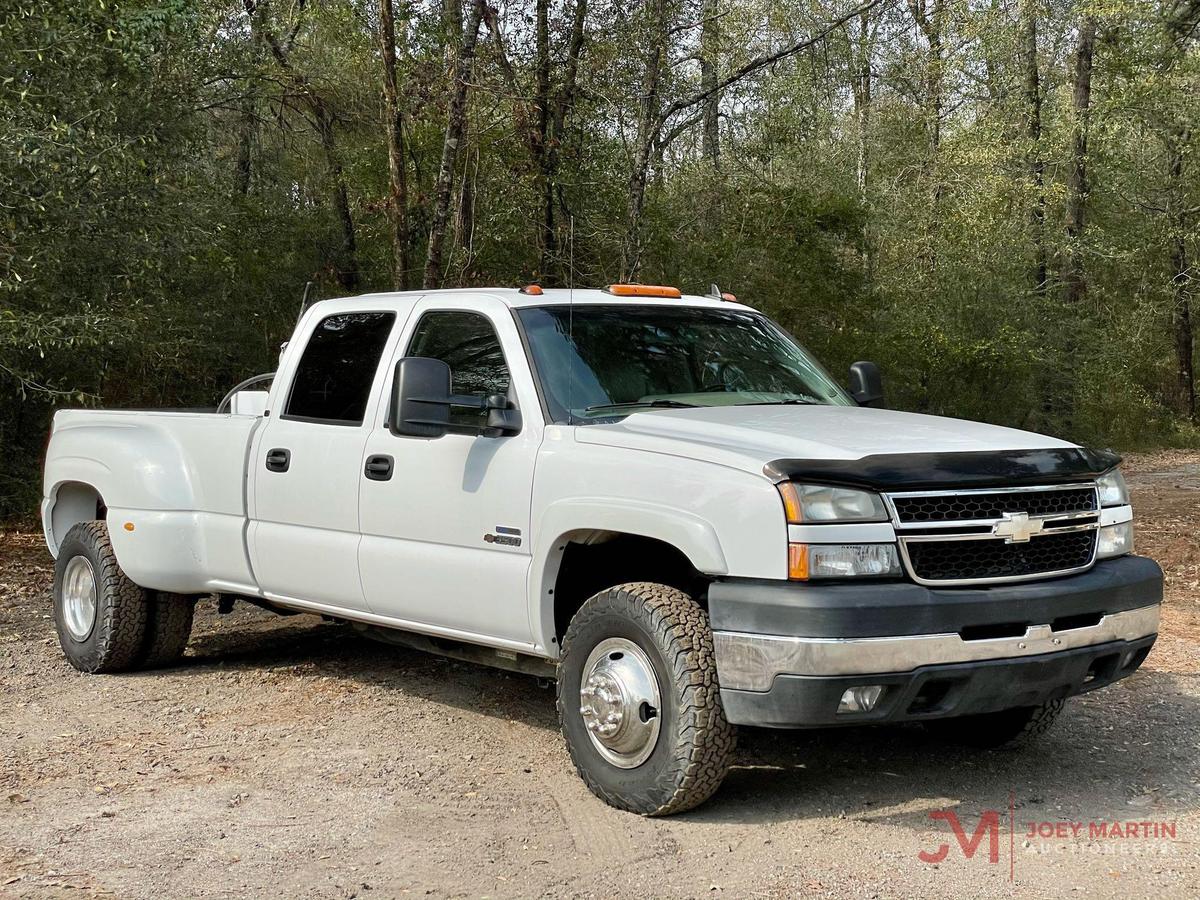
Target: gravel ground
<point x="288" y="757"/>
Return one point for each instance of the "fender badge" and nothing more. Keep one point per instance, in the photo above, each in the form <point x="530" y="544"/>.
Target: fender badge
<point x="502" y="539"/>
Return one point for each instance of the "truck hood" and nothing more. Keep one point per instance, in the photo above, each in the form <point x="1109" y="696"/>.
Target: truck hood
<point x="749" y="437"/>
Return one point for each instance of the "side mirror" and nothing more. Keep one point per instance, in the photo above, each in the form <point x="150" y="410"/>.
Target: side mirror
<point x="420" y="398"/>
<point x="866" y="384"/>
<point x="421" y="402"/>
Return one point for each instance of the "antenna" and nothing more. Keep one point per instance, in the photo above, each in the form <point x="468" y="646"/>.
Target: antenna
<point x="571" y="318"/>
<point x="306" y="300"/>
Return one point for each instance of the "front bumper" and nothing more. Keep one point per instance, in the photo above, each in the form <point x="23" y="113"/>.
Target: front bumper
<point x="787" y="652"/>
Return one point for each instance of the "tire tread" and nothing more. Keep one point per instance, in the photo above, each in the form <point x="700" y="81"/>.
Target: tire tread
<point x="1008" y="729"/>
<point x="121" y="609"/>
<point x="705" y="740"/>
<point x="168" y="629"/>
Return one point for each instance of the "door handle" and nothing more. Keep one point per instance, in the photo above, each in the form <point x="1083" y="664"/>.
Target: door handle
<point x="278" y="460"/>
<point x="379" y="468"/>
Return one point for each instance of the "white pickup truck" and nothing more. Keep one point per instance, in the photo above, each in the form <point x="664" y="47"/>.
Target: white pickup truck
<point x="660" y="500"/>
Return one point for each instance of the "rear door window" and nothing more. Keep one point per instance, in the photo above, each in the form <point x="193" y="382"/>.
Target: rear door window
<point x="334" y="378"/>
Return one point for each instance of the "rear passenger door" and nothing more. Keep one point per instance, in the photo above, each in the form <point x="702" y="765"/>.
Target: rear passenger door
<point x="307" y="462"/>
<point x="446" y="535"/>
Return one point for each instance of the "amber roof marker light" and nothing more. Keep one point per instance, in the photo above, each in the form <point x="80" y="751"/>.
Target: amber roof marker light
<point x="533" y="290"/>
<point x="644" y="290"/>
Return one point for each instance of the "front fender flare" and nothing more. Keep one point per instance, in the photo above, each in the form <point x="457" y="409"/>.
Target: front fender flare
<point x="689" y="533"/>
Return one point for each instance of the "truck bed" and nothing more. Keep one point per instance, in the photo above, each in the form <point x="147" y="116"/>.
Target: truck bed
<point x="171" y="479"/>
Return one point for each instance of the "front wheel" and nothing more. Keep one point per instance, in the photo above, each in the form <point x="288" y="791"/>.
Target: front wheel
<point x="639" y="702"/>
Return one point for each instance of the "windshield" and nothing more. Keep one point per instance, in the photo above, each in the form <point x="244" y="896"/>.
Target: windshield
<point x="601" y="362"/>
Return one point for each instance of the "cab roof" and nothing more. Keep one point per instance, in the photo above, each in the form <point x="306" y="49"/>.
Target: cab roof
<point x="516" y="299"/>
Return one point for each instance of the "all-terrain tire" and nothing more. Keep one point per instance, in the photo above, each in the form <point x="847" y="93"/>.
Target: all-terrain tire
<point x="1008" y="729"/>
<point x="117" y="637"/>
<point x="168" y="629"/>
<point x="695" y="743"/>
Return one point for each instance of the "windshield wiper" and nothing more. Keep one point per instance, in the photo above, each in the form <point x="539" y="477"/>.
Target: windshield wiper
<point x="791" y="401"/>
<point x="662" y="404"/>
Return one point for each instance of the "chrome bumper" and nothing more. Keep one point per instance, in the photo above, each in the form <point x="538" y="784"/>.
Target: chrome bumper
<point x="750" y="662"/>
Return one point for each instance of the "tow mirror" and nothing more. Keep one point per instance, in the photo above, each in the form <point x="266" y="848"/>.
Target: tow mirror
<point x="866" y="384"/>
<point x="421" y="402"/>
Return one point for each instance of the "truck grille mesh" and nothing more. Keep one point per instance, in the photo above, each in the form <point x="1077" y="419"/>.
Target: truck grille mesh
<point x="966" y="507"/>
<point x="974" y="559"/>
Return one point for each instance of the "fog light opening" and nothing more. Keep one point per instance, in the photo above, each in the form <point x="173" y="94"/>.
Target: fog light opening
<point x="860" y="699"/>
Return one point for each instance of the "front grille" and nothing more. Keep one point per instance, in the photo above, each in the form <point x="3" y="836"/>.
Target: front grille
<point x="997" y="534"/>
<point x="992" y="505"/>
<point x="968" y="560"/>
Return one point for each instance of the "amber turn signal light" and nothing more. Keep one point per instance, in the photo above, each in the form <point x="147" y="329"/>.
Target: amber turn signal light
<point x="644" y="290"/>
<point x="798" y="562"/>
<point x="791" y="503"/>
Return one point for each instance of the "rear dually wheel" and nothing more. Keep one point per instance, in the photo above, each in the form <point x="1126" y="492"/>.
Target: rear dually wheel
<point x="100" y="615"/>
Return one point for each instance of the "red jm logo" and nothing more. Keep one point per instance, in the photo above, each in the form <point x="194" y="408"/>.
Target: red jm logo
<point x="989" y="824"/>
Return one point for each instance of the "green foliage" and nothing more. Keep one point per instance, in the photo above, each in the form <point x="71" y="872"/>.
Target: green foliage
<point x="165" y="194"/>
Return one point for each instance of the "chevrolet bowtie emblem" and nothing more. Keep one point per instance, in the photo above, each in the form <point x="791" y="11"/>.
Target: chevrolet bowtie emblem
<point x="1017" y="528"/>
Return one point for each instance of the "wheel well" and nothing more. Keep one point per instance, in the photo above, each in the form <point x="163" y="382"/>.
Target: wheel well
<point x="598" y="560"/>
<point x="74" y="502"/>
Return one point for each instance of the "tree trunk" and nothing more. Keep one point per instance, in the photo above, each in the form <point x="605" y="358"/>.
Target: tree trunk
<point x="548" y="249"/>
<point x="346" y="264"/>
<point x="245" y="156"/>
<point x="393" y="122"/>
<point x="929" y="16"/>
<point x="1181" y="270"/>
<point x="1037" y="166"/>
<point x="247" y="118"/>
<point x="1074" y="275"/>
<point x="456" y="122"/>
<point x="347" y="273"/>
<point x="1179" y="28"/>
<point x="710" y="39"/>
<point x="464" y="221"/>
<point x="861" y="87"/>
<point x="647" y="132"/>
<point x="564" y="100"/>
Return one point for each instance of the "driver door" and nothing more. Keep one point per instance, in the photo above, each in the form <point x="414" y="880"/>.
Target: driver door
<point x="445" y="537"/>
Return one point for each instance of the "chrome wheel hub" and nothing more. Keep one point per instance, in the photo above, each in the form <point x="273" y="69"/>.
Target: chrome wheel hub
<point x="79" y="598"/>
<point x="619" y="701"/>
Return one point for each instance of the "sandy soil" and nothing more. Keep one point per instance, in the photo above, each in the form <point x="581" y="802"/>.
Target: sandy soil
<point x="288" y="757"/>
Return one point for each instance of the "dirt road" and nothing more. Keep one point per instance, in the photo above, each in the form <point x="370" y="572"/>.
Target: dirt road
<point x="292" y="758"/>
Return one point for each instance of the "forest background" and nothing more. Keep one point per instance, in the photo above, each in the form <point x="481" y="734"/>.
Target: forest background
<point x="997" y="200"/>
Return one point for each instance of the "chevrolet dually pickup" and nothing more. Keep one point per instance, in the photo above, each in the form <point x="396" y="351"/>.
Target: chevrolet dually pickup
<point x="660" y="500"/>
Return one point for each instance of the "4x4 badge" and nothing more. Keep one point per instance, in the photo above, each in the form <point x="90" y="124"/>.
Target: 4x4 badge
<point x="1018" y="528"/>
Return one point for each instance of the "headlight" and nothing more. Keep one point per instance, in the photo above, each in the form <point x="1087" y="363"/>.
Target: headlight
<point x="1115" y="540"/>
<point x="807" y="561"/>
<point x="809" y="503"/>
<point x="1112" y="489"/>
